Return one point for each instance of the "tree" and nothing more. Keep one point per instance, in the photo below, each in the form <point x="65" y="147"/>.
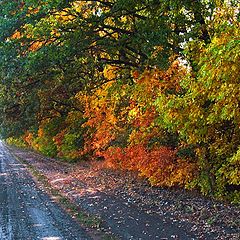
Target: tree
<point x="157" y="76"/>
<point x="206" y="114"/>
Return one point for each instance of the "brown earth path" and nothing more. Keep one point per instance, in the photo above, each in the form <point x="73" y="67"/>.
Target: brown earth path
<point x="132" y="209"/>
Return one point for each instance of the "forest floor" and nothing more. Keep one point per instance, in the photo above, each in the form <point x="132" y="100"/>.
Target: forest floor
<point x="130" y="208"/>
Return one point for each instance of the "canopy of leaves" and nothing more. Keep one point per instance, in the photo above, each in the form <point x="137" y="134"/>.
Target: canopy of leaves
<point x="151" y="86"/>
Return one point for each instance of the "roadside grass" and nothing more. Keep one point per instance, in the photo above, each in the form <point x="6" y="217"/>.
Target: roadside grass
<point x="91" y="223"/>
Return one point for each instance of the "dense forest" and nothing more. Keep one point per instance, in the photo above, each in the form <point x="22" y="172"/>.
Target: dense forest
<point x="146" y="85"/>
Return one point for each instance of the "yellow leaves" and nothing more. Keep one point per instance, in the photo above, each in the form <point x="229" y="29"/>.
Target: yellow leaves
<point x="64" y="16"/>
<point x="105" y="87"/>
<point x="32" y="11"/>
<point x="100" y="109"/>
<point x="81" y="97"/>
<point x="112" y="110"/>
<point x="110" y="72"/>
<point x="124" y="19"/>
<point x="55" y="33"/>
<point x="86" y="8"/>
<point x="133" y="113"/>
<point x="234" y="68"/>
<point x="78" y="5"/>
<point x="218" y="41"/>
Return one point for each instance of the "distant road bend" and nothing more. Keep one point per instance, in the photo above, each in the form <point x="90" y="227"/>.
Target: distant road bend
<point x="26" y="213"/>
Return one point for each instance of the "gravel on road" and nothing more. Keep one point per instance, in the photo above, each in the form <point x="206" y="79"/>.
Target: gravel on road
<point x="26" y="212"/>
<point x="132" y="209"/>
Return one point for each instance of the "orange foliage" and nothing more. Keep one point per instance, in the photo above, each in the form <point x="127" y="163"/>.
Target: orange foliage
<point x="40" y="132"/>
<point x="142" y="111"/>
<point x="135" y="74"/>
<point x="28" y="138"/>
<point x="160" y="165"/>
<point x="99" y="110"/>
<point x="36" y="45"/>
<point x="16" y="35"/>
<point x="58" y="140"/>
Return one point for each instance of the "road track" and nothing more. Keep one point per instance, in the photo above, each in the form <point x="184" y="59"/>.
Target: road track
<point x="26" y="212"/>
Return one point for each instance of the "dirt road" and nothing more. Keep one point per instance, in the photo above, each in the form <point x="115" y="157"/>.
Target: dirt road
<point x="25" y="211"/>
<point x="128" y="206"/>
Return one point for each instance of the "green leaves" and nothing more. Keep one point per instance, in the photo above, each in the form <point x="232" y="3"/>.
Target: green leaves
<point x="63" y="61"/>
<point x="208" y="110"/>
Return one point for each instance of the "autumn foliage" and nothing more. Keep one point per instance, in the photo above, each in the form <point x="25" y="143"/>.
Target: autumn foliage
<point x="160" y="165"/>
<point x="145" y="87"/>
<point x="120" y="126"/>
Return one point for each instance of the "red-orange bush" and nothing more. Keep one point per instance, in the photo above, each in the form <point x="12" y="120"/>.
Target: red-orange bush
<point x="160" y="165"/>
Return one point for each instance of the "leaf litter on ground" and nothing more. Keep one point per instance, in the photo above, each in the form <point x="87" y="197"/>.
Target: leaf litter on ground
<point x="87" y="182"/>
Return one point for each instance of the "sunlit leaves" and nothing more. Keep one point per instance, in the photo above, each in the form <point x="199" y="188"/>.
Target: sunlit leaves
<point x="206" y="113"/>
<point x="138" y="83"/>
